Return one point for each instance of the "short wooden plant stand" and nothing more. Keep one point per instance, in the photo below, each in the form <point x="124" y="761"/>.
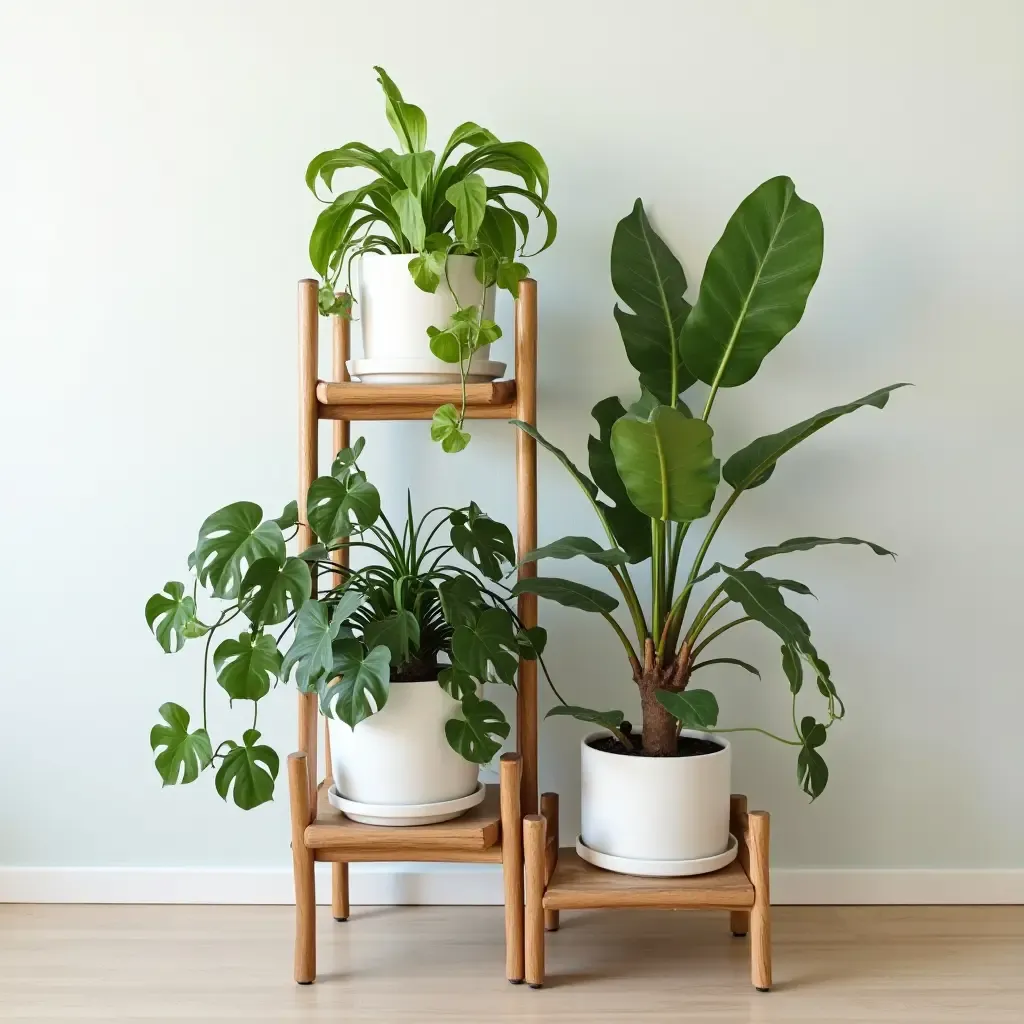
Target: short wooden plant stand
<point x="560" y="880"/>
<point x="491" y="833"/>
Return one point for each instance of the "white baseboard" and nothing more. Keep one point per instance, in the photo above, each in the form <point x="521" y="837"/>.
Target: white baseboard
<point x="475" y="885"/>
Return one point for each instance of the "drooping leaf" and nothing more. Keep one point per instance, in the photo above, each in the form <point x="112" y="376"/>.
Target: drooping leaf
<point x="289" y="517"/>
<point x="482" y="541"/>
<point x="169" y="615"/>
<point x="399" y="632"/>
<point x="650" y="280"/>
<point x="316" y="552"/>
<point x="230" y="541"/>
<point x="510" y="274"/>
<point x="427" y="270"/>
<point x="346" y="458"/>
<point x="726" y="661"/>
<point x="455" y="682"/>
<point x="338" y="508"/>
<point x="446" y="427"/>
<point x="610" y="720"/>
<point x="467" y="134"/>
<point x="567" y="592"/>
<point x="247" y="669"/>
<point x="532" y="642"/>
<point x="461" y="602"/>
<point x="581" y="478"/>
<point x="469" y="197"/>
<point x="666" y="464"/>
<point x="410" y="217"/>
<point x="330" y="230"/>
<point x="487" y="649"/>
<point x="185" y="753"/>
<point x="811" y="770"/>
<point x="806" y="543"/>
<point x="352" y="154"/>
<point x="477" y="736"/>
<point x="498" y="193"/>
<point x="498" y="234"/>
<point x="271" y="591"/>
<point x="693" y="709"/>
<point x="519" y="158"/>
<point x="570" y="547"/>
<point x="793" y="667"/>
<point x="755" y="284"/>
<point x="252" y="768"/>
<point x="362" y="689"/>
<point x="753" y="465"/>
<point x="408" y="121"/>
<point x="311" y="649"/>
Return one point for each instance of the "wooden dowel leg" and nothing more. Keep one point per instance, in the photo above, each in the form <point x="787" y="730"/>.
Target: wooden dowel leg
<point x="339" y="890"/>
<point x="739" y="923"/>
<point x="760" y="914"/>
<point x="549" y="809"/>
<point x="511" y="776"/>
<point x="533" y="846"/>
<point x="739" y="920"/>
<point x="302" y="865"/>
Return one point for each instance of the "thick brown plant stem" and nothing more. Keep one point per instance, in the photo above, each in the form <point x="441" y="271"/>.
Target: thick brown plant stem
<point x="660" y="729"/>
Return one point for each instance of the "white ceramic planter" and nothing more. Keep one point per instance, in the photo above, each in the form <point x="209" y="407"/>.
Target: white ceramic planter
<point x="394" y="314"/>
<point x="400" y="758"/>
<point x="656" y="808"/>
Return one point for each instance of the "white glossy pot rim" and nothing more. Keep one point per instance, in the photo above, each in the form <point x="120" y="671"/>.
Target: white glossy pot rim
<point x="699" y="734"/>
<point x="408" y="256"/>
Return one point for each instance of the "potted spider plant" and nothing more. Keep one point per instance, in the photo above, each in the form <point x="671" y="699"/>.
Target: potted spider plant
<point x="655" y="800"/>
<point x="399" y="650"/>
<point x="431" y="240"/>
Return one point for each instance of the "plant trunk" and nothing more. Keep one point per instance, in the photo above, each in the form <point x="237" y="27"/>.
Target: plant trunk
<point x="660" y="729"/>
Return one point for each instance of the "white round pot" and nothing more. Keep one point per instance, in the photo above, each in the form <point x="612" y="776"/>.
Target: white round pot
<point x="400" y="757"/>
<point x="395" y="314"/>
<point x="656" y="808"/>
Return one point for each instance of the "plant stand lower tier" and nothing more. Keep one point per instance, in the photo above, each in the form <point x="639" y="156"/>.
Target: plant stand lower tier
<point x="561" y="880"/>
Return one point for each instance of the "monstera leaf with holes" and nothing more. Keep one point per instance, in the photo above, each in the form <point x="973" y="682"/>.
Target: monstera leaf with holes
<point x="183" y="754"/>
<point x="230" y="541"/>
<point x="248" y="771"/>
<point x="482" y="541"/>
<point x="171" y="615"/>
<point x="477" y="736"/>
<point x="247" y="667"/>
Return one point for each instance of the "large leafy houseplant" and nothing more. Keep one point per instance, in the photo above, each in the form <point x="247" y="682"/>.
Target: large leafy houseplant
<point x="408" y="615"/>
<point x="653" y="473"/>
<point x="431" y="207"/>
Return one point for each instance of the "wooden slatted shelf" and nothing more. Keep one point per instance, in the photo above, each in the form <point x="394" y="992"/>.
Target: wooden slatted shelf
<point x="347" y="400"/>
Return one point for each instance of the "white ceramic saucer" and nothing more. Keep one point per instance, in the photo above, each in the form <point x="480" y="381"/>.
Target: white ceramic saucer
<point x="420" y="371"/>
<point x="658" y="868"/>
<point x="405" y="814"/>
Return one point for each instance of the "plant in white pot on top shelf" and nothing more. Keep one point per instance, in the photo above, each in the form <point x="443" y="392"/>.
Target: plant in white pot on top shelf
<point x="399" y="651"/>
<point x="656" y="800"/>
<point x="431" y="239"/>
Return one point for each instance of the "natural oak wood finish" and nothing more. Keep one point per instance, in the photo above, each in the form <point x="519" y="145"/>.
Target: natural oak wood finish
<point x="739" y="920"/>
<point x="757" y="836"/>
<point x="302" y="864"/>
<point x="533" y="845"/>
<point x="408" y="412"/>
<point x="511" y="768"/>
<point x="549" y="809"/>
<point x="357" y="400"/>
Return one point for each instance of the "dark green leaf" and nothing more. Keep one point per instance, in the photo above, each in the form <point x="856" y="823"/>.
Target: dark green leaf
<point x="726" y="661"/>
<point x="461" y="601"/>
<point x="568" y="593"/>
<point x="478" y="734"/>
<point x="399" y="632"/>
<point x="666" y="464"/>
<point x="755" y="284"/>
<point x="793" y="667"/>
<point x="488" y="649"/>
<point x="185" y="753"/>
<point x="806" y="543"/>
<point x="246" y="669"/>
<point x="270" y="591"/>
<point x="231" y="540"/>
<point x="469" y="197"/>
<point x="498" y="233"/>
<point x="753" y="465"/>
<point x="316" y="552"/>
<point x="408" y="120"/>
<point x="482" y="541"/>
<point x="532" y="642"/>
<point x="346" y="458"/>
<point x="811" y="770"/>
<point x="584" y="481"/>
<point x="311" y="648"/>
<point x="169" y="616"/>
<point x="252" y="767"/>
<point x="337" y="508"/>
<point x="610" y="720"/>
<point x="455" y="682"/>
<point x="650" y="280"/>
<point x="289" y="517"/>
<point x="570" y="547"/>
<point x="363" y="687"/>
<point x="693" y="709"/>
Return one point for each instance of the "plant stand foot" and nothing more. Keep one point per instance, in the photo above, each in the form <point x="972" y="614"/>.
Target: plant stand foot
<point x="739" y="935"/>
<point x="536" y="986"/>
<point x="303" y="983"/>
<point x="763" y="989"/>
<point x="515" y="981"/>
<point x="341" y="920"/>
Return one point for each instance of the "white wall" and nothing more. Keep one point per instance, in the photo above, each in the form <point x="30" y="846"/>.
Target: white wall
<point x="154" y="224"/>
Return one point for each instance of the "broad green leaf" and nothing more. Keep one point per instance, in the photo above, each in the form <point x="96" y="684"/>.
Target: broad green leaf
<point x="793" y="667"/>
<point x="488" y="649"/>
<point x="331" y="228"/>
<point x="806" y="543"/>
<point x="347" y="604"/>
<point x="363" y="687"/>
<point x="410" y="217"/>
<point x="811" y="770"/>
<point x="519" y="158"/>
<point x="338" y="508"/>
<point x="666" y="464"/>
<point x="482" y="541"/>
<point x="346" y="458"/>
<point x="532" y="642"/>
<point x="478" y="734"/>
<point x="469" y="197"/>
<point x="754" y="465"/>
<point x="414" y="169"/>
<point x="352" y="154"/>
<point x="230" y="541"/>
<point x="467" y="134"/>
<point x="568" y="593"/>
<point x="726" y="661"/>
<point x="427" y="270"/>
<point x="498" y="192"/>
<point x="289" y="517"/>
<point x="185" y="753"/>
<point x="399" y="632"/>
<point x="498" y="232"/>
<point x="650" y="280"/>
<point x="169" y="616"/>
<point x="311" y="648"/>
<point x="252" y="767"/>
<point x="570" y="547"/>
<point x="461" y="601"/>
<point x="449" y="347"/>
<point x="693" y="709"/>
<point x="446" y="427"/>
<point x="610" y="720"/>
<point x="755" y="284"/>
<point x="630" y="527"/>
<point x="270" y="591"/>
<point x="316" y="552"/>
<point x="510" y="274"/>
<point x="246" y="669"/>
<point x="455" y="682"/>
<point x="408" y="121"/>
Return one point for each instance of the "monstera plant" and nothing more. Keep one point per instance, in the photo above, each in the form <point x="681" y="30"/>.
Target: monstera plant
<point x="654" y="474"/>
<point x="407" y="615"/>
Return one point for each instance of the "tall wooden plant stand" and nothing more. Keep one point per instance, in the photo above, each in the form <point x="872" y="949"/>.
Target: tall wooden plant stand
<point x="491" y="833"/>
<point x="561" y="880"/>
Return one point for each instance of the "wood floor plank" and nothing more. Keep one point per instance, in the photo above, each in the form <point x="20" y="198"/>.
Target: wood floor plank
<point x="414" y="965"/>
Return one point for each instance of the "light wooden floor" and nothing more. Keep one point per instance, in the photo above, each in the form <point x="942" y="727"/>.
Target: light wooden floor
<point x="414" y="965"/>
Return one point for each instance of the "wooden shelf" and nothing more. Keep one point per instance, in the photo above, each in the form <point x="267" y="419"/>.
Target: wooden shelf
<point x="577" y="885"/>
<point x="474" y="837"/>
<point x="348" y="400"/>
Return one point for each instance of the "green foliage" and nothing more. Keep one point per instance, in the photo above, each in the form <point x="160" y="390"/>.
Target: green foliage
<point x="477" y="735"/>
<point x="170" y="614"/>
<point x="482" y="541"/>
<point x="271" y="590"/>
<point x="692" y="709"/>
<point x="247" y="667"/>
<point x="232" y="538"/>
<point x="570" y="547"/>
<point x="185" y="754"/>
<point x="252" y="768"/>
<point x="362" y="683"/>
<point x="568" y="593"/>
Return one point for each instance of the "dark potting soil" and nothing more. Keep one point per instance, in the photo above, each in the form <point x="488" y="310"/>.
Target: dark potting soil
<point x="688" y="746"/>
